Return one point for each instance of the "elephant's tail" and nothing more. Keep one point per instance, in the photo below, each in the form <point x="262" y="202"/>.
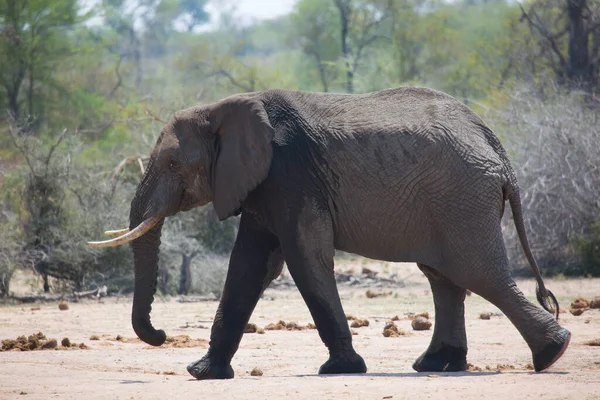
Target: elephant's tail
<point x="544" y="296"/>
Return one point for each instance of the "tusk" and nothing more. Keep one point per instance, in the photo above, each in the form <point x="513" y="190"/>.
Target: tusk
<point x="130" y="235"/>
<point x="116" y="233"/>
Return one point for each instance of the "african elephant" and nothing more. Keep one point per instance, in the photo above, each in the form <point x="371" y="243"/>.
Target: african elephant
<point x="406" y="174"/>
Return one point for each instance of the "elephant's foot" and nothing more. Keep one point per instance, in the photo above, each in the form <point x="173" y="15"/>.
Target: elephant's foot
<point x="552" y="352"/>
<point x="352" y="364"/>
<point x="205" y="368"/>
<point x="446" y="359"/>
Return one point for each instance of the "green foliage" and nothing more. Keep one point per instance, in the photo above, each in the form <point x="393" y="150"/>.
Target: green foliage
<point x="34" y="38"/>
<point x="588" y="247"/>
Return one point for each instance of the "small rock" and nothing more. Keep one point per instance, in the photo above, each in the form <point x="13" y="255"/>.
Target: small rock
<point x="421" y="324"/>
<point x="63" y="305"/>
<point x="256" y="372"/>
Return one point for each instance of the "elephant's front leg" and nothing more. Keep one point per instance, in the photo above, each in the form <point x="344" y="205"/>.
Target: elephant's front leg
<point x="309" y="252"/>
<point x="448" y="348"/>
<point x="255" y="261"/>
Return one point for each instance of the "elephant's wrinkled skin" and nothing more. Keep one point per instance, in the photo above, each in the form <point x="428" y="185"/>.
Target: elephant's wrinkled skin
<point x="405" y="174"/>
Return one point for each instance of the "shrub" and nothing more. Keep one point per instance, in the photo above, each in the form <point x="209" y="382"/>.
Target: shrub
<point x="588" y="246"/>
<point x="554" y="145"/>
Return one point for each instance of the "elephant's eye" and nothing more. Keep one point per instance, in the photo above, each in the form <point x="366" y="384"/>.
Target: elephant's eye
<point x="172" y="166"/>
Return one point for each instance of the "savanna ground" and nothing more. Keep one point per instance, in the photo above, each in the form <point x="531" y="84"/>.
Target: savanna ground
<point x="289" y="360"/>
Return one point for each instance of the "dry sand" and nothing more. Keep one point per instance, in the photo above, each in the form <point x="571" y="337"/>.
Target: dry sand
<point x="289" y="360"/>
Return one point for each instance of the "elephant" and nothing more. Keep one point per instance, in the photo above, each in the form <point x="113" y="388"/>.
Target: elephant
<point x="406" y="174"/>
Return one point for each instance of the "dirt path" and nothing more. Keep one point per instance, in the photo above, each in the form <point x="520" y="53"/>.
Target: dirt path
<point x="113" y="369"/>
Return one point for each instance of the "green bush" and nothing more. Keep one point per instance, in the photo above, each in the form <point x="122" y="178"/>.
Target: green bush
<point x="588" y="248"/>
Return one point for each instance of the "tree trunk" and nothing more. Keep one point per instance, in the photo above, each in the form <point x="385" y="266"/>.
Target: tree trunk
<point x="322" y="72"/>
<point x="595" y="62"/>
<point x="579" y="67"/>
<point x="185" y="278"/>
<point x="344" y="9"/>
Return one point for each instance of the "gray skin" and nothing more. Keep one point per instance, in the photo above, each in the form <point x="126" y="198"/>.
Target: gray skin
<point x="407" y="174"/>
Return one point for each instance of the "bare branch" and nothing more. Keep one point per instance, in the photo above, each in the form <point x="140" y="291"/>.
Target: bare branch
<point x="22" y="150"/>
<point x="53" y="148"/>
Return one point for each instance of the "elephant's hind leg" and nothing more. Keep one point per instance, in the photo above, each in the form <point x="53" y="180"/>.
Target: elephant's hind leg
<point x="448" y="348"/>
<point x="487" y="275"/>
<point x="545" y="337"/>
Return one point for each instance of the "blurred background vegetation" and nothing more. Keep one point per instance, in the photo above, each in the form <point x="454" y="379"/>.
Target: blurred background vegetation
<point x="85" y="87"/>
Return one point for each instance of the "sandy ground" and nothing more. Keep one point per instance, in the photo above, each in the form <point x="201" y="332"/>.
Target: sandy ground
<point x="112" y="369"/>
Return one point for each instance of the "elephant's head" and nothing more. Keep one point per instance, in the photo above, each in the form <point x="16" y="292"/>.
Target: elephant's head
<point x="216" y="153"/>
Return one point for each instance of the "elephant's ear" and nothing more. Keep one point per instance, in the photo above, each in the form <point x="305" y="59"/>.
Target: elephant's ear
<point x="244" y="136"/>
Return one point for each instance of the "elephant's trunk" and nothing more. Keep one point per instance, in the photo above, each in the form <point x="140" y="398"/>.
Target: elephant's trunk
<point x="145" y="260"/>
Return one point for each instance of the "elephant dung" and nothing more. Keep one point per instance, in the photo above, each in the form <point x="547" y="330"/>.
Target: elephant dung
<point x="256" y="372"/>
<point x="359" y="323"/>
<point x="251" y="328"/>
<point x="371" y="294"/>
<point x="391" y="330"/>
<point x="473" y="368"/>
<point x="580" y="303"/>
<point x="485" y="315"/>
<point x="184" y="341"/>
<point x="421" y="324"/>
<point x="595" y="303"/>
<point x="63" y="305"/>
<point x="577" y="311"/>
<point x="593" y="342"/>
<point x="65" y="342"/>
<point x="37" y="341"/>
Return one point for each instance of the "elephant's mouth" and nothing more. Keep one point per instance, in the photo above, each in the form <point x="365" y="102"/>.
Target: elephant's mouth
<point x="187" y="205"/>
<point x="126" y="235"/>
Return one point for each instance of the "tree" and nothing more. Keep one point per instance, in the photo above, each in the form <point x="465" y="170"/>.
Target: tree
<point x="568" y="38"/>
<point x="33" y="38"/>
<point x="359" y="29"/>
<point x="59" y="205"/>
<point x="313" y="30"/>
